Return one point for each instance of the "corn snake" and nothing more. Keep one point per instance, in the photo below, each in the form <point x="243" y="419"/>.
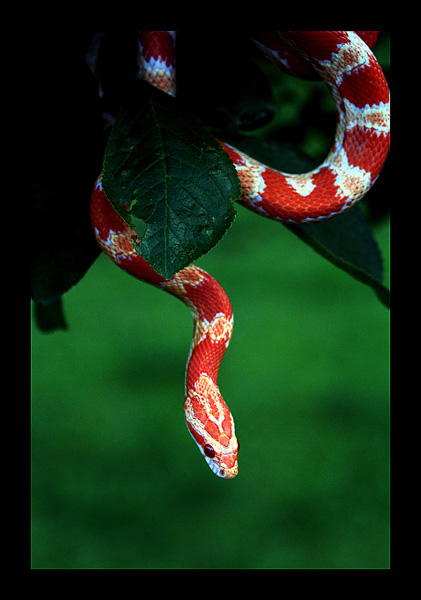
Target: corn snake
<point x="361" y="94"/>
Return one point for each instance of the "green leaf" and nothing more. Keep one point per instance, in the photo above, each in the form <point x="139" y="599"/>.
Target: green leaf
<point x="165" y="168"/>
<point x="50" y="317"/>
<point x="346" y="240"/>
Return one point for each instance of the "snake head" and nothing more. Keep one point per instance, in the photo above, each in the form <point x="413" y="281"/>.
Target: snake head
<point x="212" y="427"/>
<point x="222" y="462"/>
<point x="221" y="459"/>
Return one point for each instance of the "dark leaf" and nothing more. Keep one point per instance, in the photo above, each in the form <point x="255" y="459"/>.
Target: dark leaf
<point x="164" y="167"/>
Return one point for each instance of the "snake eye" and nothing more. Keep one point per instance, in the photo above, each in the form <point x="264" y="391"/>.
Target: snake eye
<point x="209" y="451"/>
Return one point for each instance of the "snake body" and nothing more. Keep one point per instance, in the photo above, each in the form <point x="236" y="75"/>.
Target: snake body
<point x="356" y="81"/>
<point x="208" y="418"/>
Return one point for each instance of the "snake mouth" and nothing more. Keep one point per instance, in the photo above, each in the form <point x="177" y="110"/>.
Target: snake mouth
<point x="221" y="470"/>
<point x="223" y="465"/>
<point x="221" y="461"/>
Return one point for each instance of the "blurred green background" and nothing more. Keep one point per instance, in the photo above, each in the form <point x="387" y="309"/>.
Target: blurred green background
<point x="117" y="481"/>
